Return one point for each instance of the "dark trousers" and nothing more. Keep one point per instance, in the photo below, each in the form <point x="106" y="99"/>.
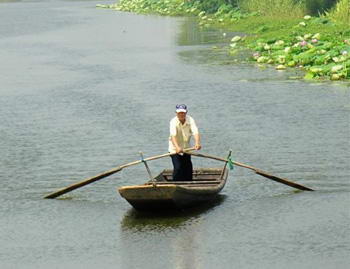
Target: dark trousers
<point x="182" y="167"/>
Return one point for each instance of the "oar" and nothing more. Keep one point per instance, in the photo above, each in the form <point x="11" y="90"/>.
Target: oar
<point x="257" y="171"/>
<point x="106" y="174"/>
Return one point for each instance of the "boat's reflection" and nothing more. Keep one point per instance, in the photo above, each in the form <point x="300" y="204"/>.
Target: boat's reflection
<point x="139" y="220"/>
<point x="172" y="239"/>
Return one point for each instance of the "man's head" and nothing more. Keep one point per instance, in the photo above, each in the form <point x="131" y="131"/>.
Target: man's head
<point x="181" y="111"/>
<point x="181" y="108"/>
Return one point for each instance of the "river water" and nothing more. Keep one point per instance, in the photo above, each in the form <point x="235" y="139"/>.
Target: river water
<point x="83" y="90"/>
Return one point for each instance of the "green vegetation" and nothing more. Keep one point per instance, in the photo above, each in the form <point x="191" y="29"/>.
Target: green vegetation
<point x="162" y="7"/>
<point x="340" y="13"/>
<point x="280" y="31"/>
<point x="281" y="8"/>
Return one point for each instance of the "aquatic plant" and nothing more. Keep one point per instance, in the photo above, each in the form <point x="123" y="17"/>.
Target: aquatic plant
<point x="321" y="56"/>
<point x="164" y="7"/>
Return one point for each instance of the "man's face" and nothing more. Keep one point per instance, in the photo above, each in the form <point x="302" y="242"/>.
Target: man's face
<point x="181" y="116"/>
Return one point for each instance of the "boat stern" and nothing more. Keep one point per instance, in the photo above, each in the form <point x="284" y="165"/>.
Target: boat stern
<point x="149" y="197"/>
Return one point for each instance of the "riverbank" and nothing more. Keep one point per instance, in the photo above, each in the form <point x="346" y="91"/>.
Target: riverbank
<point x="318" y="45"/>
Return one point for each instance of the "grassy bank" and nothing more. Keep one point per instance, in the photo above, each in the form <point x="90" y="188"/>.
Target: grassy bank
<point x="279" y="32"/>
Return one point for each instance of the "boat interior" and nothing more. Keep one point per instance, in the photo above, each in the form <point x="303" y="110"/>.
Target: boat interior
<point x="200" y="176"/>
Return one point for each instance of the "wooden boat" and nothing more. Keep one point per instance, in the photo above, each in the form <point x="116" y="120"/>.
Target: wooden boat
<point x="164" y="193"/>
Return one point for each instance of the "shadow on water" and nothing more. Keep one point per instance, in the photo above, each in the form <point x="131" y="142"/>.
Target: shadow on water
<point x="139" y="221"/>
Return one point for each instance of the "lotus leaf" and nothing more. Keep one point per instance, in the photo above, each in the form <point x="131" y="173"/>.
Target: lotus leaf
<point x="335" y="77"/>
<point x="287" y="49"/>
<point x="291" y="63"/>
<point x="316" y="70"/>
<point x="307" y="36"/>
<point x="262" y="59"/>
<point x="279" y="42"/>
<point x="309" y="75"/>
<point x="336" y="68"/>
<point x="280" y="67"/>
<point x="236" y="38"/>
<point x="317" y="36"/>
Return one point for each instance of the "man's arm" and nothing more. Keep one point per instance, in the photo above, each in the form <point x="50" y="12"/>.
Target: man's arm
<point x="196" y="135"/>
<point x="197" y="140"/>
<point x="176" y="145"/>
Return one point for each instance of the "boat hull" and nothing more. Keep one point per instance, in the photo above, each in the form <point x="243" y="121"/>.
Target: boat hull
<point x="167" y="194"/>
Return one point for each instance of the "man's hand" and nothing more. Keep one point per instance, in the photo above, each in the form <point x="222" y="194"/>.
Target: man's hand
<point x="179" y="150"/>
<point x="198" y="146"/>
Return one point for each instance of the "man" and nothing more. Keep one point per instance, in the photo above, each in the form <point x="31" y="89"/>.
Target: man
<point x="182" y="127"/>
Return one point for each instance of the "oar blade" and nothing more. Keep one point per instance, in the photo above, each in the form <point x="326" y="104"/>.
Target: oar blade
<point x="283" y="181"/>
<point x="80" y="184"/>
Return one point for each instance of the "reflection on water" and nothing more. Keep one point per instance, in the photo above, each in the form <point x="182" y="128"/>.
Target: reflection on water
<point x="192" y="34"/>
<point x="156" y="236"/>
<point x="214" y="56"/>
<point x="139" y="221"/>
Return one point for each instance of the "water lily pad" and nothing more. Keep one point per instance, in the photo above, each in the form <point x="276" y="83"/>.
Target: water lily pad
<point x="316" y="70"/>
<point x="280" y="67"/>
<point x="236" y="38"/>
<point x="287" y="49"/>
<point x="291" y="63"/>
<point x="262" y="59"/>
<point x="336" y="68"/>
<point x="317" y="36"/>
<point x="335" y="77"/>
<point x="309" y="76"/>
<point x="307" y="36"/>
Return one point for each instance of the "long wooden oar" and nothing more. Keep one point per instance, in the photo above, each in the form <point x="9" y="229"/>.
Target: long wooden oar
<point x="257" y="171"/>
<point x="105" y="174"/>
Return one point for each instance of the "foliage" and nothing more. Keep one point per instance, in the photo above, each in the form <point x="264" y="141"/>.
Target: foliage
<point x="316" y="7"/>
<point x="171" y="7"/>
<point x="289" y="8"/>
<point x="164" y="7"/>
<point x="321" y="55"/>
<point x="212" y="6"/>
<point x="341" y="12"/>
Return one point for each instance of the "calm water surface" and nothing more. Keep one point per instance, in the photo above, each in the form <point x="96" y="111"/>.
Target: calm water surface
<point x="83" y="90"/>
